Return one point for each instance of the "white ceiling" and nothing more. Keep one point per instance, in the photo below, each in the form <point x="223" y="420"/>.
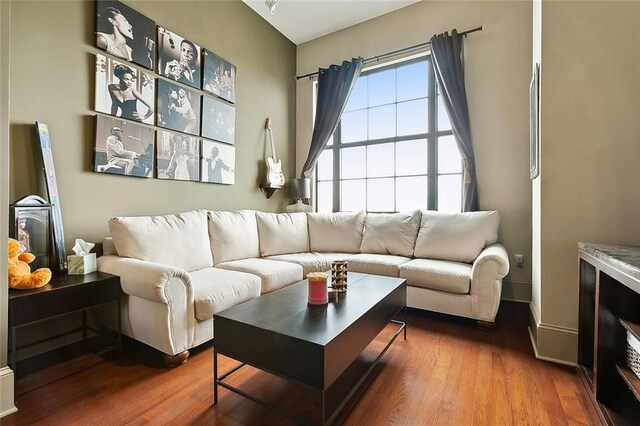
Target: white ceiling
<point x="304" y="20"/>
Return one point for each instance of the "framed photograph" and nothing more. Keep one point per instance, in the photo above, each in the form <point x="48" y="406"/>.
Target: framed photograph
<point x="178" y="108"/>
<point x="32" y="225"/>
<point x="218" y="162"/>
<point x="534" y="124"/>
<point x="125" y="33"/>
<point x="123" y="148"/>
<point x="178" y="156"/>
<point x="218" y="120"/>
<point x="178" y="58"/>
<point x="124" y="91"/>
<point x="219" y="76"/>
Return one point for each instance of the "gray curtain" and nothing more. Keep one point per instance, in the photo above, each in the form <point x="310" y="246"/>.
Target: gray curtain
<point x="446" y="51"/>
<point x="334" y="87"/>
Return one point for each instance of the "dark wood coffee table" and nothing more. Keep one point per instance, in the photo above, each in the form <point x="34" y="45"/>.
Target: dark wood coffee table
<point x="311" y="345"/>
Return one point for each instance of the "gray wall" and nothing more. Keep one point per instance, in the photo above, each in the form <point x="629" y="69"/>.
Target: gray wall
<point x="53" y="66"/>
<point x="589" y="186"/>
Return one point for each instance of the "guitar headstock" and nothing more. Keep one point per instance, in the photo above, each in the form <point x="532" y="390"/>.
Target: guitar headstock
<point x="267" y="125"/>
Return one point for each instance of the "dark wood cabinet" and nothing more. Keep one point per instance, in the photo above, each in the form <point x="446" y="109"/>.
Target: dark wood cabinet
<point x="64" y="295"/>
<point x="609" y="307"/>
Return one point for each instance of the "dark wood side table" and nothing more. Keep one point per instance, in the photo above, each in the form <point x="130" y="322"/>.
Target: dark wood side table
<point x="64" y="295"/>
<point x="609" y="278"/>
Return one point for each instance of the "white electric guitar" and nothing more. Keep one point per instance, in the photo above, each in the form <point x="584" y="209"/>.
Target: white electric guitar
<point x="275" y="177"/>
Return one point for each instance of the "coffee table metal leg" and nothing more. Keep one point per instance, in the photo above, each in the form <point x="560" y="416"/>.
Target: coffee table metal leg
<point x="215" y="376"/>
<point x="405" y="322"/>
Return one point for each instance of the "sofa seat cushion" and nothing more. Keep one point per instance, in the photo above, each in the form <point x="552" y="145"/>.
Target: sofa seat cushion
<point x="178" y="240"/>
<point x="282" y="233"/>
<point x="377" y="264"/>
<point x="452" y="277"/>
<point x="274" y="274"/>
<point x="233" y="235"/>
<point x="336" y="232"/>
<point x="215" y="290"/>
<point x="458" y="237"/>
<point x="390" y="233"/>
<point x="312" y="262"/>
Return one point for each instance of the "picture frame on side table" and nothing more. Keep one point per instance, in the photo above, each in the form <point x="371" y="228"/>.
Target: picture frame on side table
<point x="32" y="225"/>
<point x="534" y="123"/>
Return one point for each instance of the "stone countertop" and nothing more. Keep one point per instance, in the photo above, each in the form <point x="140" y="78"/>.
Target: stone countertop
<point x="624" y="258"/>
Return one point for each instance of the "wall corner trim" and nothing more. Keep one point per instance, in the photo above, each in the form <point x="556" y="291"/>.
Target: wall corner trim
<point x="6" y="392"/>
<point x="553" y="343"/>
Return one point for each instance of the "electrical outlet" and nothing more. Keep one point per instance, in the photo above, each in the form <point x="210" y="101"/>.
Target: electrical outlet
<point x="519" y="260"/>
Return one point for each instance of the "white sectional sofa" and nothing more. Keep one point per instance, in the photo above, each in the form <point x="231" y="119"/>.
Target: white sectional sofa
<point x="178" y="270"/>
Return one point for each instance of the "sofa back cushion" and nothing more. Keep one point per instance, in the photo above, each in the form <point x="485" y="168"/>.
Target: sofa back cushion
<point x="390" y="233"/>
<point x="179" y="240"/>
<point x="233" y="235"/>
<point x="336" y="232"/>
<point x="459" y="237"/>
<point x="282" y="233"/>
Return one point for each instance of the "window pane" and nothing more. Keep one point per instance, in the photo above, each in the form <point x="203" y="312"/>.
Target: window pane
<point x="411" y="193"/>
<point x="382" y="87"/>
<point x="443" y="117"/>
<point x="380" y="160"/>
<point x="450" y="193"/>
<point x="380" y="195"/>
<point x="411" y="157"/>
<point x="354" y="126"/>
<point x="325" y="165"/>
<point x="382" y="122"/>
<point x="325" y="196"/>
<point x="412" y="117"/>
<point x="353" y="162"/>
<point x="352" y="195"/>
<point x="358" y="96"/>
<point x="412" y="81"/>
<point x="449" y="159"/>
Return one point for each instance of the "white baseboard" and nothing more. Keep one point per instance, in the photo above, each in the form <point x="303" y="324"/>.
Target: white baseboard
<point x="7" y="405"/>
<point x="516" y="291"/>
<point x="553" y="343"/>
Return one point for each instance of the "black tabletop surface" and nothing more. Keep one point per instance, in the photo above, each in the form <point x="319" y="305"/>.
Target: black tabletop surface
<point x="286" y="311"/>
<point x="63" y="281"/>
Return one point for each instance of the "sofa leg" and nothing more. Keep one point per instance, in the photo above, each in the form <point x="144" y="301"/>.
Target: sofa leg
<point x="486" y="325"/>
<point x="175" y="360"/>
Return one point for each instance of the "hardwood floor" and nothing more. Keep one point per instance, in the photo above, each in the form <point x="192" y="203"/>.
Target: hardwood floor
<point x="446" y="373"/>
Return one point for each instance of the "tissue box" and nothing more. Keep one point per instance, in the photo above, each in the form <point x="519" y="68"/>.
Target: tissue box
<point x="81" y="265"/>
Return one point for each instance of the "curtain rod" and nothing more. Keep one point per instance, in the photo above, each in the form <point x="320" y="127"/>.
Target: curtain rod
<point x="378" y="58"/>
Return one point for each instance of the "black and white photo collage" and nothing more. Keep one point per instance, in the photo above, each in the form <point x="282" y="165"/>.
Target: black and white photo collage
<point x="167" y="105"/>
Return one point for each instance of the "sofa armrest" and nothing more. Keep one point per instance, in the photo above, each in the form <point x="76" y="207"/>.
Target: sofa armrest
<point x="147" y="280"/>
<point x="486" y="280"/>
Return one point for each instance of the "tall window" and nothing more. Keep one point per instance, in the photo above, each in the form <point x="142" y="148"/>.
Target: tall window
<point x="393" y="149"/>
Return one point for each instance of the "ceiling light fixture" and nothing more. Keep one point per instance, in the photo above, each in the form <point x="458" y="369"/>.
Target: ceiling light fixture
<point x="272" y="5"/>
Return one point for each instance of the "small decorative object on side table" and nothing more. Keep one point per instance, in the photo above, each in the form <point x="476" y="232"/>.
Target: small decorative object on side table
<point x="65" y="294"/>
<point x="82" y="262"/>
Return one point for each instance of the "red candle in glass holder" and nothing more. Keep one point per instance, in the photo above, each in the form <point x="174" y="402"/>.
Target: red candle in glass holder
<point x="317" y="288"/>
